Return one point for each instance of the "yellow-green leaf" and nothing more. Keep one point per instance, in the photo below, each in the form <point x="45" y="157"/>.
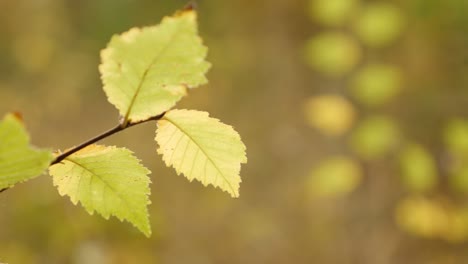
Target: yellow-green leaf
<point x="202" y="148"/>
<point x="333" y="115"/>
<point x="332" y="12"/>
<point x="376" y="84"/>
<point x="108" y="180"/>
<point x="335" y="176"/>
<point x="418" y="168"/>
<point x="374" y="137"/>
<point x="333" y="54"/>
<point x="19" y="161"/>
<point x="456" y="136"/>
<point x="379" y="24"/>
<point x="146" y="71"/>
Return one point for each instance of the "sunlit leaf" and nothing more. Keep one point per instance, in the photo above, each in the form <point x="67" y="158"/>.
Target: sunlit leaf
<point x="456" y="141"/>
<point x="108" y="180"/>
<point x="335" y="176"/>
<point x="456" y="136"/>
<point x="333" y="54"/>
<point x="331" y="114"/>
<point x="146" y="71"/>
<point x="19" y="161"/>
<point x="376" y="84"/>
<point x="331" y="12"/>
<point x="202" y="148"/>
<point x="374" y="137"/>
<point x="433" y="219"/>
<point x="379" y="24"/>
<point x="418" y="168"/>
<point x="422" y="217"/>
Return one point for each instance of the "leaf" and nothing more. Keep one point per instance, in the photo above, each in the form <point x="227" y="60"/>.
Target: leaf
<point x="333" y="115"/>
<point x="423" y="217"/>
<point x="456" y="136"/>
<point x="332" y="54"/>
<point x="146" y="71"/>
<point x="374" y="137"/>
<point x="418" y="168"/>
<point x="201" y="148"/>
<point x="108" y="180"/>
<point x="334" y="177"/>
<point x="379" y="24"/>
<point x="19" y="161"/>
<point x="376" y="84"/>
<point x="332" y="12"/>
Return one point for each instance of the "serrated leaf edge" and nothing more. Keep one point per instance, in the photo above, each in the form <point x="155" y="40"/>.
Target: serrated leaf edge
<point x="92" y="211"/>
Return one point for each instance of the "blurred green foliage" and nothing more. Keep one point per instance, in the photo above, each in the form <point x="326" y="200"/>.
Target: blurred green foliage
<point x="333" y="54"/>
<point x="334" y="177"/>
<point x="418" y="168"/>
<point x="374" y="137"/>
<point x="379" y="24"/>
<point x="261" y="81"/>
<point x="456" y="136"/>
<point x="394" y="105"/>
<point x="376" y="84"/>
<point x="332" y="12"/>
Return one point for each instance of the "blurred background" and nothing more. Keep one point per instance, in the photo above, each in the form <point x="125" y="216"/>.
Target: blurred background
<point x="354" y="113"/>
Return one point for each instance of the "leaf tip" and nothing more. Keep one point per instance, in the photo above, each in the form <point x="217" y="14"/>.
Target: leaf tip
<point x="190" y="11"/>
<point x="190" y="6"/>
<point x="18" y="116"/>
<point x="147" y="232"/>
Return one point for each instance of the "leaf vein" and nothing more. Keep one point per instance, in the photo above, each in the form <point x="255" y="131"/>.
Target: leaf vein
<point x="204" y="152"/>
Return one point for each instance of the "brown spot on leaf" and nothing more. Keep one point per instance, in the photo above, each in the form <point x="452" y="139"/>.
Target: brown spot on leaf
<point x="18" y="116"/>
<point x="192" y="5"/>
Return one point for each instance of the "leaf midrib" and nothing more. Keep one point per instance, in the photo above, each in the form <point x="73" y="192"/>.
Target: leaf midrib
<point x="203" y="151"/>
<point x="145" y="73"/>
<point x="133" y="212"/>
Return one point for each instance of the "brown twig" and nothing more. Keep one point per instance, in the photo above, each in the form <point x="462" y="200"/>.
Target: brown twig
<point x="120" y="127"/>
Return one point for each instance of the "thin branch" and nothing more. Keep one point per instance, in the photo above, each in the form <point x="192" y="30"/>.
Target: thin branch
<point x="124" y="125"/>
<point x="118" y="128"/>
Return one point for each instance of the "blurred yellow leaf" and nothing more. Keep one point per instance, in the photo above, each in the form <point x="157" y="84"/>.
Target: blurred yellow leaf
<point x="379" y="24"/>
<point x="333" y="54"/>
<point x="418" y="168"/>
<point x="422" y="217"/>
<point x="333" y="115"/>
<point x="335" y="176"/>
<point x="432" y="219"/>
<point x="456" y="136"/>
<point x="331" y="12"/>
<point x="374" y="137"/>
<point x="376" y="84"/>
